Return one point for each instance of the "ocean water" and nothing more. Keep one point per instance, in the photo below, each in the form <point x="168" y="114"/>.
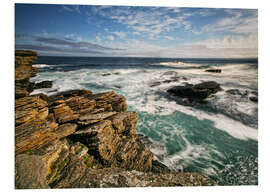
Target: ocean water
<point x="218" y="139"/>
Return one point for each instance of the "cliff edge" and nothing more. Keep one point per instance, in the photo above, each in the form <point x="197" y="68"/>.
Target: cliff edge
<point x="78" y="139"/>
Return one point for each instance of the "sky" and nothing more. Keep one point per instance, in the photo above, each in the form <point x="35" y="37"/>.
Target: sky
<point x="132" y="31"/>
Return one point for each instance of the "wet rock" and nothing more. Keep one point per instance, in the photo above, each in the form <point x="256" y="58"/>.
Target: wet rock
<point x="108" y="74"/>
<point x="198" y="91"/>
<point x="43" y="84"/>
<point x="253" y="98"/>
<point x="234" y="92"/>
<point x="118" y="86"/>
<point x="214" y="70"/>
<point x="154" y="84"/>
<point x="172" y="79"/>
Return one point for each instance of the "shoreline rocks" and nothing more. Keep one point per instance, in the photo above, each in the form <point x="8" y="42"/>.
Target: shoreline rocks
<point x="78" y="139"/>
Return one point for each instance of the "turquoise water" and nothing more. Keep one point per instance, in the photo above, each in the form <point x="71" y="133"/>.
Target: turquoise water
<point x="185" y="138"/>
<point x="198" y="146"/>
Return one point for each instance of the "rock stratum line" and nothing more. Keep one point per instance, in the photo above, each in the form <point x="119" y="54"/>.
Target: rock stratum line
<point x="78" y="139"/>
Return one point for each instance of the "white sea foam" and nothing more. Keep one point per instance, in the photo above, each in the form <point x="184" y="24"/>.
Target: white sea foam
<point x="41" y="65"/>
<point x="134" y="85"/>
<point x="177" y="64"/>
<point x="232" y="127"/>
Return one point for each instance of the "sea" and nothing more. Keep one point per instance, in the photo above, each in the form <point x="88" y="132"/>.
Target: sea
<point x="217" y="138"/>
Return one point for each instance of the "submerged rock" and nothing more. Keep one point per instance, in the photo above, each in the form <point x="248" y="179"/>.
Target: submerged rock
<point x="110" y="73"/>
<point x="198" y="91"/>
<point x="213" y="70"/>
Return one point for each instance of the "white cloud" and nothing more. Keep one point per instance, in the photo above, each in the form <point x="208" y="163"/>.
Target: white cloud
<point x="148" y="21"/>
<point x="169" y="37"/>
<point x="239" y="42"/>
<point x="98" y="39"/>
<point x="110" y="38"/>
<point x="136" y="33"/>
<point x="119" y="34"/>
<point x="79" y="38"/>
<point x="235" y="23"/>
<point x="227" y="47"/>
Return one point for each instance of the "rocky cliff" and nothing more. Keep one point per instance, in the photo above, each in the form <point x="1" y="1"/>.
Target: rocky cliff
<point x="78" y="139"/>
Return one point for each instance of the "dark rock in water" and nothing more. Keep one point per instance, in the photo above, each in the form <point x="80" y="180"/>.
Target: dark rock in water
<point x="237" y="92"/>
<point x="184" y="78"/>
<point x="108" y="74"/>
<point x="117" y="86"/>
<point x="213" y="70"/>
<point x="43" y="84"/>
<point x="169" y="73"/>
<point x="234" y="92"/>
<point x="155" y="84"/>
<point x="173" y="79"/>
<point x="198" y="91"/>
<point x="254" y="93"/>
<point x="213" y="86"/>
<point x="253" y="98"/>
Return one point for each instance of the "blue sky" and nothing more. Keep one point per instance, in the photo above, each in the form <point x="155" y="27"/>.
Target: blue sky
<point x="82" y="30"/>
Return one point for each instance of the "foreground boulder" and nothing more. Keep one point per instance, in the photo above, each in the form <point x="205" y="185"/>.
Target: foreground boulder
<point x="198" y="91"/>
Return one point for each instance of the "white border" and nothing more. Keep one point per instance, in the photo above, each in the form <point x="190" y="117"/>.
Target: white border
<point x="7" y="88"/>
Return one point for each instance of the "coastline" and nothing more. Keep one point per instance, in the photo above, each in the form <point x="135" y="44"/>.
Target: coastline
<point x="78" y="139"/>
